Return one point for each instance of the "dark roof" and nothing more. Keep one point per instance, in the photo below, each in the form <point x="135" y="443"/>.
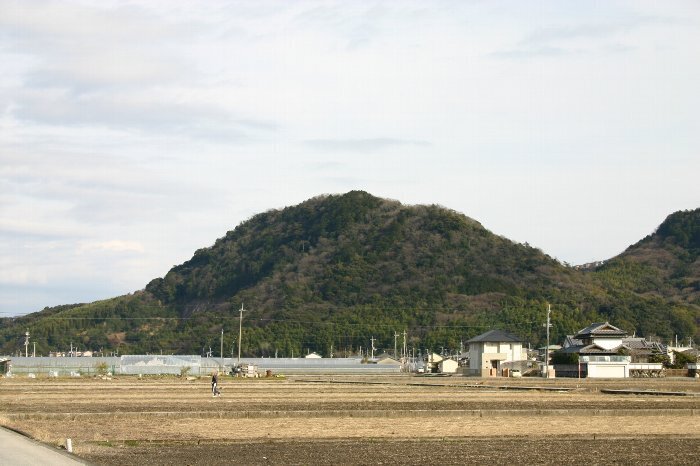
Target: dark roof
<point x="495" y="336"/>
<point x="600" y="329"/>
<point x="635" y="343"/>
<point x="571" y="341"/>
<point x="641" y="344"/>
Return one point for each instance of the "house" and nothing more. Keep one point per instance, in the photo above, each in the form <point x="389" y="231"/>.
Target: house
<point x="435" y="363"/>
<point x="642" y="350"/>
<point x="313" y="355"/>
<point x="448" y="366"/>
<point x="493" y="351"/>
<point x="596" y="349"/>
<point x="602" y="350"/>
<point x="432" y="360"/>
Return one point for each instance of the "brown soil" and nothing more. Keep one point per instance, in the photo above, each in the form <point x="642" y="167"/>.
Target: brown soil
<point x="355" y="420"/>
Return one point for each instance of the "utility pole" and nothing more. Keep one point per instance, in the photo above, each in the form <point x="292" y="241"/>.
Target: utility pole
<point x="546" y="350"/>
<point x="405" y="348"/>
<point x="396" y="335"/>
<point x="221" y="352"/>
<point x="34" y="352"/>
<point x="372" y="340"/>
<point x="26" y="344"/>
<point x="240" y="331"/>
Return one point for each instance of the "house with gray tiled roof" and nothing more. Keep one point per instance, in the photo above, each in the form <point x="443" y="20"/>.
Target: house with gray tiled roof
<point x="604" y="350"/>
<point x="641" y="349"/>
<point x="492" y="352"/>
<point x="597" y="338"/>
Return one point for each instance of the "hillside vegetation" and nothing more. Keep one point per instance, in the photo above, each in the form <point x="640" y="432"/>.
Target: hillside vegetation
<point x="334" y="271"/>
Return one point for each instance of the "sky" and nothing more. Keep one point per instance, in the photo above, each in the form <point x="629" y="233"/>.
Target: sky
<point x="134" y="133"/>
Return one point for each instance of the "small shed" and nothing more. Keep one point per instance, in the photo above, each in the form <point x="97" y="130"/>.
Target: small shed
<point x="313" y="355"/>
<point x="448" y="366"/>
<point x="4" y="366"/>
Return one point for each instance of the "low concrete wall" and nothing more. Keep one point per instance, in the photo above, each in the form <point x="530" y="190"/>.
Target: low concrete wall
<point x="571" y="370"/>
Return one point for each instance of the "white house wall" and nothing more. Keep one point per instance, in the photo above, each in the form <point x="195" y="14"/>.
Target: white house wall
<point x="607" y="343"/>
<point x="608" y="371"/>
<point x="448" y="366"/>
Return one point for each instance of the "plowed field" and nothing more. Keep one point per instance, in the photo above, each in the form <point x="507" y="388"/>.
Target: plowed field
<point x="355" y="420"/>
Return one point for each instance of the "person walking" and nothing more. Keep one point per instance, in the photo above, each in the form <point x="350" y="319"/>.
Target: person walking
<point x="215" y="384"/>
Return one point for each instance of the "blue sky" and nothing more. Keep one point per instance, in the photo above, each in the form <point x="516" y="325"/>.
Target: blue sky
<point x="134" y="133"/>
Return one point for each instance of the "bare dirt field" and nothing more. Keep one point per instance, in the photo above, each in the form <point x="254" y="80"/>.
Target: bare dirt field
<point x="360" y="420"/>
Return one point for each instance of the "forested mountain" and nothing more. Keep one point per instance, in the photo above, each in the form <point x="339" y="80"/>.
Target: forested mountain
<point x="656" y="282"/>
<point x="334" y="271"/>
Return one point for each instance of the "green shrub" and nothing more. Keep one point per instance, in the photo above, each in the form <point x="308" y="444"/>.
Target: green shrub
<point x="564" y="358"/>
<point x="101" y="368"/>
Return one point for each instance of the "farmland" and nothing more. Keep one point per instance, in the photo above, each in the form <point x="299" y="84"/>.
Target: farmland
<point x="359" y="420"/>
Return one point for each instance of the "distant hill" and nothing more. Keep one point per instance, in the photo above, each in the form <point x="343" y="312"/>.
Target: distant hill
<point x="668" y="261"/>
<point x="332" y="272"/>
<point x="663" y="270"/>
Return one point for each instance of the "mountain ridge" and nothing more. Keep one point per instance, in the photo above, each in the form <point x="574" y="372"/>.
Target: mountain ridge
<point x="336" y="269"/>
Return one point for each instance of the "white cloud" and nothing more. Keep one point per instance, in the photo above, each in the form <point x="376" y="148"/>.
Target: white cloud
<point x="132" y="134"/>
<point x="361" y="145"/>
<point x="112" y="246"/>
